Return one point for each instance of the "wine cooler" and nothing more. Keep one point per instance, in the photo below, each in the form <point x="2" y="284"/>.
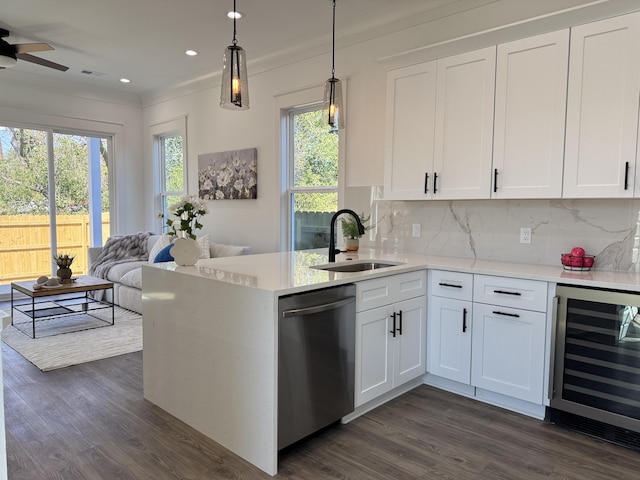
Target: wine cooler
<point x="596" y="386"/>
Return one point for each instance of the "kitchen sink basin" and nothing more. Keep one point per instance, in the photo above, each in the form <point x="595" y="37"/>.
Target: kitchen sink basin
<point x="357" y="266"/>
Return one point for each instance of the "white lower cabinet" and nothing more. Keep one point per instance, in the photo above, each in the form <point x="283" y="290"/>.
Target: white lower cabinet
<point x="449" y="339"/>
<point x="508" y="351"/>
<point x="487" y="337"/>
<point x="449" y="325"/>
<point x="390" y="339"/>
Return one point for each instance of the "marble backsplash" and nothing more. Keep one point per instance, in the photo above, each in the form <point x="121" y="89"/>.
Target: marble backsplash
<point x="490" y="229"/>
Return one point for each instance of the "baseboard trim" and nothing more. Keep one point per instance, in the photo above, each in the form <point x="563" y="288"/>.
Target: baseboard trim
<point x="382" y="399"/>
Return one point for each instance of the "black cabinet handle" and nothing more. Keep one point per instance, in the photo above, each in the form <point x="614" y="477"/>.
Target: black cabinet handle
<point x="505" y="292"/>
<point x="464" y="320"/>
<point x="435" y="182"/>
<point x="498" y="312"/>
<point x="400" y="322"/>
<point x="495" y="180"/>
<point x="442" y="284"/>
<point x="626" y="175"/>
<point x="426" y="182"/>
<point x="393" y="329"/>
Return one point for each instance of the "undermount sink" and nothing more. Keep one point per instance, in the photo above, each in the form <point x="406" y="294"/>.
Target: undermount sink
<point x="357" y="266"/>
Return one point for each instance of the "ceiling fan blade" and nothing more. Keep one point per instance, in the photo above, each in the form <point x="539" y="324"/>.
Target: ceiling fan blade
<point x="32" y="47"/>
<point x="41" y="61"/>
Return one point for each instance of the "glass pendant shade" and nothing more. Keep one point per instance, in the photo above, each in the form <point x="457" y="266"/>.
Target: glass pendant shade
<point x="332" y="107"/>
<point x="234" y="93"/>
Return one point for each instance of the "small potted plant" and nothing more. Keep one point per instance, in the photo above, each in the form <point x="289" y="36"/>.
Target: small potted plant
<point x="350" y="231"/>
<point x="64" y="261"/>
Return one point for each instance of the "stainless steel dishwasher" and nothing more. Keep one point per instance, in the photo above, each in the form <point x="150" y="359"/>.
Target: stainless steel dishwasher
<point x="316" y="361"/>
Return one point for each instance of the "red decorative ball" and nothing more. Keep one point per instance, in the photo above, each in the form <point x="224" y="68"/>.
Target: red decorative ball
<point x="577" y="252"/>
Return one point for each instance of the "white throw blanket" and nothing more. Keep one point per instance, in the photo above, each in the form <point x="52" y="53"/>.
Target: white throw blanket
<point x="120" y="249"/>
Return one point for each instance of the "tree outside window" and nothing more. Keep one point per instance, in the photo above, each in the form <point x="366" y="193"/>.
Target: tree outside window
<point x="313" y="178"/>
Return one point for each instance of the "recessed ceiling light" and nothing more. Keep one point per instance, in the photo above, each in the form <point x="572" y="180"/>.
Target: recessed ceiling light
<point x="191" y="53"/>
<point x="125" y="80"/>
<point x="236" y="15"/>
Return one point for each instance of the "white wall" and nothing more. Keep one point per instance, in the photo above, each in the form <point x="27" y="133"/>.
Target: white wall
<point x="60" y="105"/>
<point x="361" y="63"/>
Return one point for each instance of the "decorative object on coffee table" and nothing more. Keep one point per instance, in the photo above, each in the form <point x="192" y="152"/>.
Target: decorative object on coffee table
<point x="64" y="261"/>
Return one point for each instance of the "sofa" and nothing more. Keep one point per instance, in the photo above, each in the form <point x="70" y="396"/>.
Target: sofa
<point x="126" y="273"/>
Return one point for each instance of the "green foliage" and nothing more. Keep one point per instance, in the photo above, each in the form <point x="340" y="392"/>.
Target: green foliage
<point x="188" y="212"/>
<point x="315" y="202"/>
<point x="173" y="163"/>
<point x="316" y="162"/>
<point x="24" y="173"/>
<point x="350" y="227"/>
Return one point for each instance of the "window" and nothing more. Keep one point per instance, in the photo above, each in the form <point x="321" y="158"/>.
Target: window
<point x="54" y="198"/>
<point x="169" y="143"/>
<point x="312" y="177"/>
<point x="173" y="171"/>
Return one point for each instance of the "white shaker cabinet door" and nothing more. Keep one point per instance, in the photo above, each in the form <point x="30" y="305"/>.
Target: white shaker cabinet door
<point x="374" y="344"/>
<point x="602" y="108"/>
<point x="410" y="340"/>
<point x="464" y="125"/>
<point x="449" y="339"/>
<point x="508" y="348"/>
<point x="531" y="94"/>
<point x="411" y="95"/>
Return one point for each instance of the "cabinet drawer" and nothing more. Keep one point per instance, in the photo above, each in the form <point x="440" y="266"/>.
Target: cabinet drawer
<point x="451" y="284"/>
<point x="410" y="285"/>
<point x="394" y="288"/>
<point x="373" y="293"/>
<point x="510" y="292"/>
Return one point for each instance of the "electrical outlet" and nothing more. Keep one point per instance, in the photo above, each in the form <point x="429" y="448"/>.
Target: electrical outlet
<point x="525" y="234"/>
<point x="416" y="230"/>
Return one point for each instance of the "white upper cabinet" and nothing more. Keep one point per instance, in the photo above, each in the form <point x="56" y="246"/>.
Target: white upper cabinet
<point x="602" y="108"/>
<point x="440" y="128"/>
<point x="530" y="105"/>
<point x="464" y="125"/>
<point x="411" y="105"/>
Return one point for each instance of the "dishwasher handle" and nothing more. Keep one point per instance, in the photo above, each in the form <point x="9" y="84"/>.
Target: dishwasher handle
<point x="294" y="312"/>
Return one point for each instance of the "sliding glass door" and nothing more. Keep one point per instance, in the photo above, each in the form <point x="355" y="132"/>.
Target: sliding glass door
<point x="54" y="198"/>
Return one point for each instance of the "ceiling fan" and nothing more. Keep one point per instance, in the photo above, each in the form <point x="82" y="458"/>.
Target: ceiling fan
<point x="9" y="54"/>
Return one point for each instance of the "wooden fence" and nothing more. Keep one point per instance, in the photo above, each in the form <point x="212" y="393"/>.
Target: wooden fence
<point x="25" y="244"/>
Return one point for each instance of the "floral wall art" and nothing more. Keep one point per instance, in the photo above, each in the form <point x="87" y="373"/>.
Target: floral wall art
<point x="228" y="175"/>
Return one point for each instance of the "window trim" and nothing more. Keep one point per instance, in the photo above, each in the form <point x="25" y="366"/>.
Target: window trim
<point x="286" y="103"/>
<point x="157" y="132"/>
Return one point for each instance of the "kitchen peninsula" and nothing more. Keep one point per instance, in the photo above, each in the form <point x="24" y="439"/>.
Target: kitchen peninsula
<point x="210" y="332"/>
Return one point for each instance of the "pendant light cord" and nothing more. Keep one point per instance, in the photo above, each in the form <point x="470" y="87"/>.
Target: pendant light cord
<point x="333" y="45"/>
<point x="235" y="15"/>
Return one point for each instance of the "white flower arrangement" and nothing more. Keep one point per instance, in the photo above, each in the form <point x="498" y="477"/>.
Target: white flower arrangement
<point x="188" y="212"/>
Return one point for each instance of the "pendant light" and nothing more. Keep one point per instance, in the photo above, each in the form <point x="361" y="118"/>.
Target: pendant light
<point x="332" y="108"/>
<point x="234" y="92"/>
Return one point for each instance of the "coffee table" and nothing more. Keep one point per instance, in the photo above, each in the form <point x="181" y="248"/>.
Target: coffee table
<point x="64" y="300"/>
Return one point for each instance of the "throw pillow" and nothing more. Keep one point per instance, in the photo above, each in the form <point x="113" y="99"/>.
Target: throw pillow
<point x="222" y="250"/>
<point x="162" y="243"/>
<point x="164" y="255"/>
<point x="203" y="243"/>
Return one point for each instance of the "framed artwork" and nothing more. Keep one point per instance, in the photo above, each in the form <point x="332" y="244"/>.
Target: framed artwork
<point x="231" y="175"/>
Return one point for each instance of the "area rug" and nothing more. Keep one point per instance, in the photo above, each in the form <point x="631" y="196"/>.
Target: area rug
<point x="65" y="349"/>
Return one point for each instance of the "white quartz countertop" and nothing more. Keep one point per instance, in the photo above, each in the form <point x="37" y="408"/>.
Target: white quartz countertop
<point x="289" y="272"/>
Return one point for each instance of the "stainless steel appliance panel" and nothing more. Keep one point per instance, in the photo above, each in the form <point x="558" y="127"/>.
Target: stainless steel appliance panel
<point x="316" y="361"/>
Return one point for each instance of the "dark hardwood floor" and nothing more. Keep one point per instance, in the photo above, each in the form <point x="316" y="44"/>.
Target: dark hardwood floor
<point x="91" y="422"/>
